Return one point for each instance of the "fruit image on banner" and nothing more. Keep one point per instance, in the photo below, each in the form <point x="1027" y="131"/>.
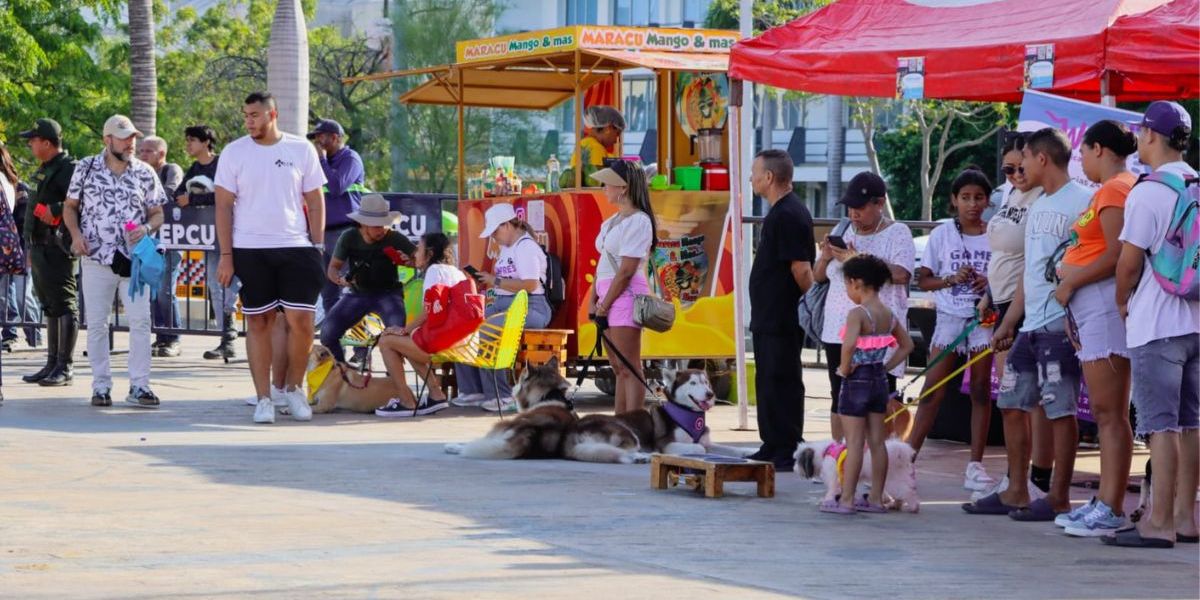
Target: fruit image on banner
<point x="701" y="101"/>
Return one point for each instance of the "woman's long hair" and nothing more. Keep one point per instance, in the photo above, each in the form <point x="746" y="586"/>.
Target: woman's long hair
<point x="438" y="246"/>
<point x="638" y="191"/>
<point x="7" y="169"/>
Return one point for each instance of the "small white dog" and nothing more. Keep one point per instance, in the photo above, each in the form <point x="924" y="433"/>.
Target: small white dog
<point x="816" y="459"/>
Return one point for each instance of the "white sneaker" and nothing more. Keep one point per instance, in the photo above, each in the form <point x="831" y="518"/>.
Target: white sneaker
<point x="1035" y="492"/>
<point x="976" y="478"/>
<point x="298" y="405"/>
<point x="264" y="411"/>
<point x="277" y="398"/>
<point x="1076" y="514"/>
<point x="468" y="400"/>
<point x="995" y="489"/>
<point x="506" y="405"/>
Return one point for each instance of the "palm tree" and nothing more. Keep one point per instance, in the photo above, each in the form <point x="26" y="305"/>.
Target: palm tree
<point x="143" y="75"/>
<point x="287" y="66"/>
<point x="836" y="153"/>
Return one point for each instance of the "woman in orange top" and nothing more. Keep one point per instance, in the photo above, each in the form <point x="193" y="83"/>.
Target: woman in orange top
<point x="1088" y="290"/>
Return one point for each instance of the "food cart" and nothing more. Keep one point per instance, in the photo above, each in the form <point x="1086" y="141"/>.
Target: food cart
<point x="694" y="263"/>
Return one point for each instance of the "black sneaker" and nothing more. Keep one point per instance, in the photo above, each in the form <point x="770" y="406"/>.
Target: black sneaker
<point x="141" y="398"/>
<point x="101" y="398"/>
<point x="393" y="409"/>
<point x="224" y="350"/>
<point x="169" y="350"/>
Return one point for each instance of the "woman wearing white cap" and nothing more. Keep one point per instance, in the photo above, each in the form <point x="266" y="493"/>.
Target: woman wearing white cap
<point x="372" y="251"/>
<point x="520" y="266"/>
<point x="625" y="241"/>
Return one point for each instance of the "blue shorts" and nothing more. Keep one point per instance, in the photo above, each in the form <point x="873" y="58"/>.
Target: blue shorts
<point x="1042" y="369"/>
<point x="1166" y="384"/>
<point x="864" y="391"/>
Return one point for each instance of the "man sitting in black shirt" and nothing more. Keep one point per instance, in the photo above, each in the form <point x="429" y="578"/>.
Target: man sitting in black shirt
<point x="781" y="273"/>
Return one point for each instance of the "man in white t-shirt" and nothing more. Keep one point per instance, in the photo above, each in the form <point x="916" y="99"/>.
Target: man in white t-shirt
<point x="270" y="225"/>
<point x="1041" y="371"/>
<point x="1163" y="334"/>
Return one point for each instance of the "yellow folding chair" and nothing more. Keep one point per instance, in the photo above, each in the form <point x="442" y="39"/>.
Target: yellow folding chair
<point x="492" y="346"/>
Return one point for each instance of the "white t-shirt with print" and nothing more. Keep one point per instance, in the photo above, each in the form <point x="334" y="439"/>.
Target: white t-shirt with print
<point x="946" y="253"/>
<point x="1006" y="238"/>
<point x="1047" y="226"/>
<point x="441" y="274"/>
<point x="895" y="246"/>
<point x="269" y="183"/>
<point x="523" y="260"/>
<point x="622" y="237"/>
<point x="10" y="193"/>
<point x="1153" y="313"/>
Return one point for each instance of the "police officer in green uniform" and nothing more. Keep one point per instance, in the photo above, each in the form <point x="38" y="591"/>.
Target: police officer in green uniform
<point x="54" y="266"/>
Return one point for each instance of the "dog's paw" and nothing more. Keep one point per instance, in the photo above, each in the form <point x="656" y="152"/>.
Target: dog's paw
<point x="635" y="458"/>
<point x="453" y="448"/>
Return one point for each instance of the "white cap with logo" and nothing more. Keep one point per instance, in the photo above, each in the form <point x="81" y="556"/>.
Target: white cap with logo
<point x="496" y="216"/>
<point x="120" y="127"/>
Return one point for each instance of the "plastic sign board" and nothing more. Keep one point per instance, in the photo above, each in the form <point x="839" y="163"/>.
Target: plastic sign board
<point x="585" y="37"/>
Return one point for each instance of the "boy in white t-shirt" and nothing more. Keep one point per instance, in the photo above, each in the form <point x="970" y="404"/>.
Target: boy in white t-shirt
<point x="1163" y="335"/>
<point x="270" y="225"/>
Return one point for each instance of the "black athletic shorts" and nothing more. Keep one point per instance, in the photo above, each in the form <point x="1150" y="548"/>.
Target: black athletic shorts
<point x="289" y="278"/>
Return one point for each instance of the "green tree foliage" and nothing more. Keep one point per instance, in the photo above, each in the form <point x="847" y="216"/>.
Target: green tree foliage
<point x="54" y="62"/>
<point x="966" y="141"/>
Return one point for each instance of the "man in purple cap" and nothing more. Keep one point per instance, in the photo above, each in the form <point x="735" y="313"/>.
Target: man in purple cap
<point x="1162" y="331"/>
<point x="344" y="171"/>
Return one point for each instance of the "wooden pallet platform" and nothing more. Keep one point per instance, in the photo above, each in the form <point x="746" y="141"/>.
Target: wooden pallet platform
<point x="710" y="473"/>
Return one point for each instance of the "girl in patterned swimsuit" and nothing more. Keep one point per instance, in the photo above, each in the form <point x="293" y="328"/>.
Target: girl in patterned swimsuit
<point x="871" y="331"/>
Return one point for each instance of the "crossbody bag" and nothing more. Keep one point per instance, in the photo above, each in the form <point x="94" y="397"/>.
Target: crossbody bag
<point x="649" y="311"/>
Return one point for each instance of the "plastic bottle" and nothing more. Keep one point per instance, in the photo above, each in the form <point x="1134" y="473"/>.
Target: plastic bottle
<point x="553" y="172"/>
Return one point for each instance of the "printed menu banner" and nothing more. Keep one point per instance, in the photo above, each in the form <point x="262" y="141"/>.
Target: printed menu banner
<point x="910" y="77"/>
<point x="1039" y="66"/>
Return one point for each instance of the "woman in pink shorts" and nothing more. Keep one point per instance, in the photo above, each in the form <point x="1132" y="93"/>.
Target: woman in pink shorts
<point x="625" y="241"/>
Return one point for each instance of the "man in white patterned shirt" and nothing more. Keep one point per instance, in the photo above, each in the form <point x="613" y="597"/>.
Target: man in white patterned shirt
<point x="107" y="192"/>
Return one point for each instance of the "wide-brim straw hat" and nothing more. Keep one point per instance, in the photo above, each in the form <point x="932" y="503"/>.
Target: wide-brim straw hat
<point x="373" y="210"/>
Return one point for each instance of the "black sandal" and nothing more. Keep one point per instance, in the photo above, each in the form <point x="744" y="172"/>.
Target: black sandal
<point x="1131" y="538"/>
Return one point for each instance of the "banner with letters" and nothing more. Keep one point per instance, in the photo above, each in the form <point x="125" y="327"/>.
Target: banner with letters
<point x="195" y="227"/>
<point x="1073" y="117"/>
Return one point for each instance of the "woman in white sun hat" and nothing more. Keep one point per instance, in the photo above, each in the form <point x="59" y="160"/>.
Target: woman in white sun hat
<point x="520" y="266"/>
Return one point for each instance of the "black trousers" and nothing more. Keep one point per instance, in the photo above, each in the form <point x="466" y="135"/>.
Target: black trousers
<point x="780" y="391"/>
<point x="54" y="279"/>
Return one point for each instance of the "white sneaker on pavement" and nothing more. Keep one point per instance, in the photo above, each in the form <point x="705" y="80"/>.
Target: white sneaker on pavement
<point x="298" y="405"/>
<point x="976" y="478"/>
<point x="468" y="400"/>
<point x="264" y="411"/>
<point x="506" y="405"/>
<point x="277" y="398"/>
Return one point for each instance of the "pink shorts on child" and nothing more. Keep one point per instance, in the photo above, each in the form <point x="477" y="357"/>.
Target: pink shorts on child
<point x="621" y="312"/>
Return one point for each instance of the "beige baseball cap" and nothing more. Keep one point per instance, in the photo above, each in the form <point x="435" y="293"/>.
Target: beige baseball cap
<point x="120" y="127"/>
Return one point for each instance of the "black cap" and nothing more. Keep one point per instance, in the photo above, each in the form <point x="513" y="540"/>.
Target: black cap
<point x="326" y="126"/>
<point x="47" y="129"/>
<point x="863" y="189"/>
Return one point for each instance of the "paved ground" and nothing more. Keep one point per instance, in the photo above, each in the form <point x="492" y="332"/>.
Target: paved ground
<point x="193" y="500"/>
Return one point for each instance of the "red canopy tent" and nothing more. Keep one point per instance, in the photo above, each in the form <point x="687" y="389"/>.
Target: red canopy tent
<point x="973" y="49"/>
<point x="1173" y="32"/>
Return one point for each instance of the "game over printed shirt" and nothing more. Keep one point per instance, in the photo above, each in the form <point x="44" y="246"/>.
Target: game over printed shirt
<point x="948" y="251"/>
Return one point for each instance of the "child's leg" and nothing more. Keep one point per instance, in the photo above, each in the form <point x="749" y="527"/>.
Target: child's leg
<point x="855" y="430"/>
<point x="927" y="409"/>
<point x="981" y="406"/>
<point x="876" y="436"/>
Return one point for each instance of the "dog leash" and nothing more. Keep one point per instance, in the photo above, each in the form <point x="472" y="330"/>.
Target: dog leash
<point x="906" y="405"/>
<point x="947" y="351"/>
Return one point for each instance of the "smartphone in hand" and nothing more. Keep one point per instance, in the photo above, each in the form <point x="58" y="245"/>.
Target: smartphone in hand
<point x="472" y="271"/>
<point x="837" y="241"/>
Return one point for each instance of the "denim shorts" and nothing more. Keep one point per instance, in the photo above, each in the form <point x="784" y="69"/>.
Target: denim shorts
<point x="1042" y="369"/>
<point x="864" y="391"/>
<point x="1094" y="323"/>
<point x="948" y="327"/>
<point x="1166" y="380"/>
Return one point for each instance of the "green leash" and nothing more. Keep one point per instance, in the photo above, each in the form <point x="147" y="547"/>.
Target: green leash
<point x="947" y="351"/>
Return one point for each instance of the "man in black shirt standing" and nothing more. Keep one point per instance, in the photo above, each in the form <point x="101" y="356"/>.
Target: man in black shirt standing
<point x="781" y="273"/>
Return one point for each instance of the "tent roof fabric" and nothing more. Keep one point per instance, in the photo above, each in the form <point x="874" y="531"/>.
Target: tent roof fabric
<point x="973" y="49"/>
<point x="1173" y="31"/>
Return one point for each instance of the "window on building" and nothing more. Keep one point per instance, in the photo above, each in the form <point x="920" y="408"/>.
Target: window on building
<point x="640" y="104"/>
<point x="581" y="12"/>
<point x="695" y="11"/>
<point x="635" y="12"/>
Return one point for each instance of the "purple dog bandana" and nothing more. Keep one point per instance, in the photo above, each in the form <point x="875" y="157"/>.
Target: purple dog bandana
<point x="689" y="420"/>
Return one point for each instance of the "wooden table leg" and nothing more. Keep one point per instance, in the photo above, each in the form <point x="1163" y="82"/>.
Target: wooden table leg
<point x="713" y="486"/>
<point x="658" y="473"/>
<point x="766" y="482"/>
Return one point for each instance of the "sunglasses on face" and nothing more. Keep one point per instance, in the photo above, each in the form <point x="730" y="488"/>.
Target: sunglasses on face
<point x="1012" y="170"/>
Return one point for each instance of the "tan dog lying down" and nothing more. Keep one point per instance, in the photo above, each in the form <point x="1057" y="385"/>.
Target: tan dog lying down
<point x="345" y="388"/>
